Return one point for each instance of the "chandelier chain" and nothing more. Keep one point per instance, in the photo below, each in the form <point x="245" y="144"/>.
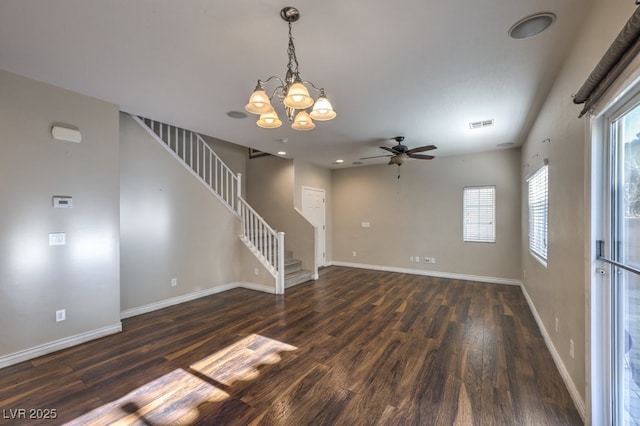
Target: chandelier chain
<point x="291" y="52"/>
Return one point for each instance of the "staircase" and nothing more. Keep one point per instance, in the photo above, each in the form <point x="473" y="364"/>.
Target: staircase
<point x="293" y="272"/>
<point x="266" y="244"/>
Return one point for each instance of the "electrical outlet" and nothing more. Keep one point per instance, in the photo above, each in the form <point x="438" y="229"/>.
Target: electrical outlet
<point x="571" y="349"/>
<point x="354" y="254"/>
<point x="174" y="282"/>
<point x="61" y="315"/>
<point x="427" y="259"/>
<point x="433" y="260"/>
<point x="410" y="258"/>
<point x="557" y="324"/>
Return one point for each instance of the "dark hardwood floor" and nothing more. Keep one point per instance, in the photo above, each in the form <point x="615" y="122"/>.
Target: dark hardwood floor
<point x="355" y="347"/>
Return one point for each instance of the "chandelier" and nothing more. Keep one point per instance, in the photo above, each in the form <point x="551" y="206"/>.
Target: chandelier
<point x="292" y="93"/>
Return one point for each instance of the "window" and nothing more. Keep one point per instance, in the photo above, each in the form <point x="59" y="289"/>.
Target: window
<point x="538" y="212"/>
<point x="479" y="208"/>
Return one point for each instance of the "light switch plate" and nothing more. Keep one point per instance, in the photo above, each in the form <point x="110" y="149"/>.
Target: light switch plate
<point x="61" y="315"/>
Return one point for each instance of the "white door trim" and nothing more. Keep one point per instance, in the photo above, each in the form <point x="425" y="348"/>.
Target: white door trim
<point x="318" y="219"/>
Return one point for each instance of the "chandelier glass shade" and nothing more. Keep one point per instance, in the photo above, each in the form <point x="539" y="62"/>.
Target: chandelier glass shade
<point x="269" y="120"/>
<point x="322" y="110"/>
<point x="303" y="121"/>
<point x="259" y="102"/>
<point x="292" y="92"/>
<point x="298" y="97"/>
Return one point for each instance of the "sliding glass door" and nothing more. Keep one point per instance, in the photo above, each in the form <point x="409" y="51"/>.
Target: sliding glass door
<point x="620" y="252"/>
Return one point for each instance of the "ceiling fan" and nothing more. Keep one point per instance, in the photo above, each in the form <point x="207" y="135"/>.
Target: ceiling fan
<point x="401" y="153"/>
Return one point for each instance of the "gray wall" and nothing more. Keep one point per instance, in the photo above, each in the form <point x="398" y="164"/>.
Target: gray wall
<point x="559" y="289"/>
<point x="270" y="183"/>
<point x="82" y="276"/>
<point x="270" y="191"/>
<point x="420" y="214"/>
<point x="171" y="226"/>
<point x="234" y="156"/>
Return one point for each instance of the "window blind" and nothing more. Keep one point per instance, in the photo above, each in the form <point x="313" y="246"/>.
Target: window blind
<point x="479" y="212"/>
<point x="538" y="212"/>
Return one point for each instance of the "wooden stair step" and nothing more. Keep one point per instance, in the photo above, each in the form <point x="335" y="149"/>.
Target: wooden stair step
<point x="296" y="277"/>
<point x="292" y="265"/>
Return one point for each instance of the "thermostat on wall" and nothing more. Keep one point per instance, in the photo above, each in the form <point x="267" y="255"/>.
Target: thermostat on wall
<point x="62" y="202"/>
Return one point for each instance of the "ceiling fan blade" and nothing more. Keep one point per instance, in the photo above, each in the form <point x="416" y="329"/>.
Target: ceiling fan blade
<point x="376" y="156"/>
<point x="421" y="156"/>
<point x="422" y="149"/>
<point x="391" y="150"/>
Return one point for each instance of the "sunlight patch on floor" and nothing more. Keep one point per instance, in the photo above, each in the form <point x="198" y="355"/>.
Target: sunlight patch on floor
<point x="174" y="398"/>
<point x="241" y="360"/>
<point x="180" y="396"/>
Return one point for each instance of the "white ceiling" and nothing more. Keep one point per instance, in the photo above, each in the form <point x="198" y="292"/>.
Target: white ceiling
<point x="423" y="69"/>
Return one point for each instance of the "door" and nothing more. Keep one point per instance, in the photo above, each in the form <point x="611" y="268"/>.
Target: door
<point x="620" y="253"/>
<point x="313" y="208"/>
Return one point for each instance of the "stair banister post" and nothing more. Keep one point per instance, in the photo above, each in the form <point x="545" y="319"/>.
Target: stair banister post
<point x="238" y="190"/>
<point x="280" y="283"/>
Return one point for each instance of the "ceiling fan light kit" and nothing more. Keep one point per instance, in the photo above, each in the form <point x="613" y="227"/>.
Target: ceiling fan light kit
<point x="292" y="92"/>
<point x="400" y="153"/>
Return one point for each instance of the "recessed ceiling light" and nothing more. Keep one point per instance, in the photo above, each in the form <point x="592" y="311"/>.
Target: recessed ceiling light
<point x="339" y="161"/>
<point x="282" y="153"/>
<point x="531" y="25"/>
<point x="239" y="115"/>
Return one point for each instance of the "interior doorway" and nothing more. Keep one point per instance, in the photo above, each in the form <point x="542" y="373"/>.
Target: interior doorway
<point x="313" y="208"/>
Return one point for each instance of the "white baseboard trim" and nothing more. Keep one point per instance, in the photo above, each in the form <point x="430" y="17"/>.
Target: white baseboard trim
<point x="57" y="345"/>
<point x="479" y="278"/>
<point x="571" y="387"/>
<point x="257" y="287"/>
<point x="67" y="342"/>
<point x="193" y="296"/>
<point x="175" y="301"/>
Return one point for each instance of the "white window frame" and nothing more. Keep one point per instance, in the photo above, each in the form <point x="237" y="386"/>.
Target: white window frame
<point x="479" y="214"/>
<point x="538" y="207"/>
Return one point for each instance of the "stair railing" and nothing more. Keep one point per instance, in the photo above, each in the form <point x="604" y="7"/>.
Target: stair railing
<point x="197" y="156"/>
<point x="267" y="242"/>
<point x="191" y="149"/>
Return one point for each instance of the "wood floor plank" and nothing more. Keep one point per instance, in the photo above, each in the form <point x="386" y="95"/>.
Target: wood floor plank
<point x="355" y="347"/>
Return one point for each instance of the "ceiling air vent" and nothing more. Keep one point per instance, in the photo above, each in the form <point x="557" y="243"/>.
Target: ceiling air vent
<point x="481" y="124"/>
